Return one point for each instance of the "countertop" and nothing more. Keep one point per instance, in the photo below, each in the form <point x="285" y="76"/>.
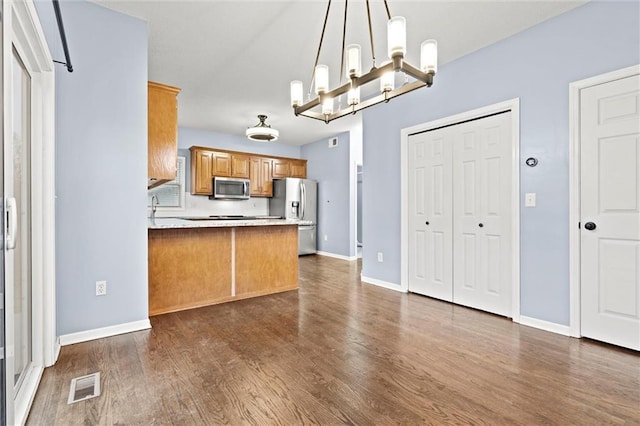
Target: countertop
<point x="174" y="222"/>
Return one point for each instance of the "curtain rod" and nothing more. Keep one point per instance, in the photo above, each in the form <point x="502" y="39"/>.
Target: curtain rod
<point x="63" y="37"/>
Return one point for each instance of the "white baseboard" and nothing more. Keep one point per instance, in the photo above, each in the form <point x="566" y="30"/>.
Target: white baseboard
<point x="99" y="333"/>
<point x="565" y="330"/>
<point x="384" y="284"/>
<point x="56" y="351"/>
<point x="337" y="256"/>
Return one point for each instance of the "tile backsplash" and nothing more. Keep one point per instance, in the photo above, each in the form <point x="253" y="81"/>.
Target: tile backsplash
<point x="199" y="205"/>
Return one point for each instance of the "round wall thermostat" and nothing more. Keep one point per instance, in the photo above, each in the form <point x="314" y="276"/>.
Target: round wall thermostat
<point x="531" y="162"/>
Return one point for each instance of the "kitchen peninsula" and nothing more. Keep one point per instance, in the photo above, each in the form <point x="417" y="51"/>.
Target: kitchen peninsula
<point x="198" y="261"/>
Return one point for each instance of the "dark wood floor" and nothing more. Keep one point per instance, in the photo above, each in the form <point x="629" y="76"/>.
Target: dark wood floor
<point x="338" y="351"/>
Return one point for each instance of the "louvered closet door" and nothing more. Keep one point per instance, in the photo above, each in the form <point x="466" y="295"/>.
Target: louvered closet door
<point x="482" y="214"/>
<point x="430" y="202"/>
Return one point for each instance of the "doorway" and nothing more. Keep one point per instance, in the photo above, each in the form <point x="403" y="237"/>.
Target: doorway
<point x="28" y="216"/>
<point x="605" y="208"/>
<point x="460" y="209"/>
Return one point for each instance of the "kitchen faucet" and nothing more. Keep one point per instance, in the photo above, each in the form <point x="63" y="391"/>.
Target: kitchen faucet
<point x="154" y="205"/>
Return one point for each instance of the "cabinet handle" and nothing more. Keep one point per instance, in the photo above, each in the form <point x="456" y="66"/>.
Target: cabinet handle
<point x="426" y="223"/>
<point x="480" y="225"/>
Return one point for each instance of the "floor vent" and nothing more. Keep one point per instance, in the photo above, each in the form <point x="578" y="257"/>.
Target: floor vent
<point x="84" y="387"/>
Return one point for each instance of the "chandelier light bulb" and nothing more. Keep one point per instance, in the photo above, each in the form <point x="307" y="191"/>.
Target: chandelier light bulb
<point x="353" y="96"/>
<point x="327" y="106"/>
<point x="429" y="56"/>
<point x="354" y="64"/>
<point x="387" y="82"/>
<point x="322" y="79"/>
<point x="297" y="93"/>
<point x="397" y="36"/>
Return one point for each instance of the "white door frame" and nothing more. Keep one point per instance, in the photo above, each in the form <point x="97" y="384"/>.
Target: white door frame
<point x="512" y="105"/>
<point x="574" y="186"/>
<point x="21" y="27"/>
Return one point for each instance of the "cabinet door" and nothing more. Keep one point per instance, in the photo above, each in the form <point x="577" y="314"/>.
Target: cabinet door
<point x="281" y="168"/>
<point x="299" y="169"/>
<point x="220" y="164"/>
<point x="240" y="166"/>
<point x="267" y="176"/>
<point x="255" y="176"/>
<point x="201" y="172"/>
<point x="162" y="131"/>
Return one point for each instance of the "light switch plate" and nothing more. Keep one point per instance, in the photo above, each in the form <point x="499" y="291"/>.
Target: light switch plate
<point x="530" y="199"/>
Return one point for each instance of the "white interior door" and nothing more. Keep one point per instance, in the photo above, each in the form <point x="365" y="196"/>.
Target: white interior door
<point x="610" y="212"/>
<point x="430" y="218"/>
<point x="482" y="214"/>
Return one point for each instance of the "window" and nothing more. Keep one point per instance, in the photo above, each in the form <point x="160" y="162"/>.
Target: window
<point x="171" y="194"/>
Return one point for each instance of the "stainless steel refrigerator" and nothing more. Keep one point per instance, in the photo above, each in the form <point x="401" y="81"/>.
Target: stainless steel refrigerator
<point x="297" y="199"/>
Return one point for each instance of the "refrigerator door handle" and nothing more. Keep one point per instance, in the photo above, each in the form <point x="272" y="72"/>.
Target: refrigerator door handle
<point x="303" y="192"/>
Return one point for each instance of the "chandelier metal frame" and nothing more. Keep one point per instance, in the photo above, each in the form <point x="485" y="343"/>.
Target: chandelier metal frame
<point x="397" y="64"/>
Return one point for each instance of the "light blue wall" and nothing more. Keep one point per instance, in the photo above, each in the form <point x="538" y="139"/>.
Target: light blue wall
<point x="537" y="66"/>
<point x="330" y="167"/>
<point x="188" y="137"/>
<point x="101" y="166"/>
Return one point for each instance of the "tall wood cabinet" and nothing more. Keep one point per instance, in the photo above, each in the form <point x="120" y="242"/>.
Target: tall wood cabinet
<point x="162" y="133"/>
<point x="261" y="177"/>
<point x="259" y="169"/>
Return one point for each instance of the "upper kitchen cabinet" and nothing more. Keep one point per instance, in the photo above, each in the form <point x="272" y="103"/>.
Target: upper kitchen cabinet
<point x="240" y="166"/>
<point x="220" y="164"/>
<point x="298" y="169"/>
<point x="162" y="133"/>
<point x="261" y="177"/>
<point x="281" y="168"/>
<point x="201" y="171"/>
<point x="207" y="163"/>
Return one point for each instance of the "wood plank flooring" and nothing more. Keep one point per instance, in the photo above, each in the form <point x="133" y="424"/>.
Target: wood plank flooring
<point x="340" y="352"/>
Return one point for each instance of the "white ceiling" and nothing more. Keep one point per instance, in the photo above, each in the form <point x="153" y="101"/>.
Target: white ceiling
<point x="235" y="59"/>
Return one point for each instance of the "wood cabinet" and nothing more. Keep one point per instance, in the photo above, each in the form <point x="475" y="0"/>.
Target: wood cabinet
<point x="162" y="146"/>
<point x="220" y="164"/>
<point x="240" y="166"/>
<point x="281" y="168"/>
<point x="261" y="170"/>
<point x="201" y="172"/>
<point x="261" y="175"/>
<point x="298" y="169"/>
<point x="193" y="267"/>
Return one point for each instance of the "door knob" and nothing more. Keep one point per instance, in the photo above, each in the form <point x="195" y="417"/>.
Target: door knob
<point x="589" y="226"/>
<point x="480" y="225"/>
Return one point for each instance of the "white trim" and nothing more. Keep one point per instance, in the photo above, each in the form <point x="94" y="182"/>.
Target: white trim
<point x="383" y="284"/>
<point x="574" y="186"/>
<point x="100" y="333"/>
<point x="565" y="330"/>
<point x="28" y="388"/>
<point x="337" y="256"/>
<point x="512" y="105"/>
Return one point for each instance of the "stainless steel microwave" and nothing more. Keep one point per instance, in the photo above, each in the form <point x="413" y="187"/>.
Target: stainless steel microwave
<point x="230" y="188"/>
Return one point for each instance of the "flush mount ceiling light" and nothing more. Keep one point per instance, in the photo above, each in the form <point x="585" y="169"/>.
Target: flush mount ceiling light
<point x="262" y="132"/>
<point x="324" y="102"/>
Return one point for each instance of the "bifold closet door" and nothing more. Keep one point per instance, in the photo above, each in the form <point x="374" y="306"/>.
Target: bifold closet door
<point x="430" y="216"/>
<point x="482" y="214"/>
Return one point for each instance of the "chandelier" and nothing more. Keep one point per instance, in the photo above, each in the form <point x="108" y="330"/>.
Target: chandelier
<point x="262" y="132"/>
<point x="322" y="107"/>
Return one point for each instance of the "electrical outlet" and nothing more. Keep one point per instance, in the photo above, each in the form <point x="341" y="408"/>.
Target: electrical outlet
<point x="101" y="288"/>
<point x="380" y="256"/>
<point x="530" y="199"/>
<point x="326" y="237"/>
